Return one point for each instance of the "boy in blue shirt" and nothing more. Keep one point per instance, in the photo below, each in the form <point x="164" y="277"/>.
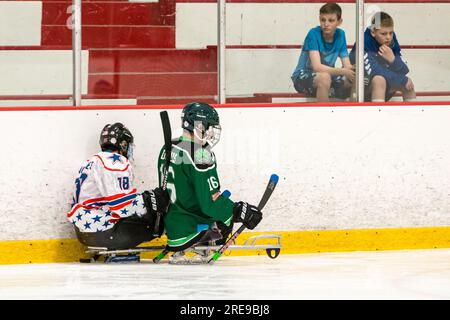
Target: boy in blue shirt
<point x="315" y="74"/>
<point x="384" y="69"/>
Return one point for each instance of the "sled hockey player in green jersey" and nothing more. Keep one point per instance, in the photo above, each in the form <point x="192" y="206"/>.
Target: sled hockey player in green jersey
<point x="198" y="213"/>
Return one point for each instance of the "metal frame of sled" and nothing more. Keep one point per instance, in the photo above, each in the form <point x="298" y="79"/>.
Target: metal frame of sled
<point x="133" y="254"/>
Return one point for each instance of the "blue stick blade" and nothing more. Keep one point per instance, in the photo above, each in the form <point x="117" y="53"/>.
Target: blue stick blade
<point x="274" y="178"/>
<point x="226" y="193"/>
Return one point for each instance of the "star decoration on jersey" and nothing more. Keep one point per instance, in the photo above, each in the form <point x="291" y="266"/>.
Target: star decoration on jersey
<point x="91" y="219"/>
<point x="115" y="158"/>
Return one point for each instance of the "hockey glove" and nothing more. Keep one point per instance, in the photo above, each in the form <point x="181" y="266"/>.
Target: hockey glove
<point x="246" y="213"/>
<point x="156" y="200"/>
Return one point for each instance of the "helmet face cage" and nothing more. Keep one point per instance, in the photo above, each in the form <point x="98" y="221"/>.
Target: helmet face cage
<point x="211" y="135"/>
<point x="215" y="135"/>
<point x="130" y="152"/>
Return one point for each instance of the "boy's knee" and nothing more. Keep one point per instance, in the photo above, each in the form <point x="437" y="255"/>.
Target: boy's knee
<point x="378" y="82"/>
<point x="323" y="79"/>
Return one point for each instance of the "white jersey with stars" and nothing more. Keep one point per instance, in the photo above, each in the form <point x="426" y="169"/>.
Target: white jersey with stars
<point x="104" y="193"/>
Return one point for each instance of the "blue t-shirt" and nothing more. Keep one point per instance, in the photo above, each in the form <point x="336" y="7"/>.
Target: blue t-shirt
<point x="329" y="51"/>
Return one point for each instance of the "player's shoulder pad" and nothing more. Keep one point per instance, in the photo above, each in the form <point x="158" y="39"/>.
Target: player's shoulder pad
<point x="112" y="161"/>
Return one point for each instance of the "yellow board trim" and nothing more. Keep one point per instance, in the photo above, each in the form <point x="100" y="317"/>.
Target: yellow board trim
<point x="293" y="242"/>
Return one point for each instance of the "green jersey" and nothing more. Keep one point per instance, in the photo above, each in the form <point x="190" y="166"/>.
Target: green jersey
<point x="194" y="188"/>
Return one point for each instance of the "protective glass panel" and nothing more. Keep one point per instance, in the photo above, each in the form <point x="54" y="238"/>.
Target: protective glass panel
<point x="422" y="35"/>
<point x="35" y="53"/>
<point x="265" y="42"/>
<point x="147" y="53"/>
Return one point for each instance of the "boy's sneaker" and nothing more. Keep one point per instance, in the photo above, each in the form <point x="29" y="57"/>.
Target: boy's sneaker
<point x="181" y="258"/>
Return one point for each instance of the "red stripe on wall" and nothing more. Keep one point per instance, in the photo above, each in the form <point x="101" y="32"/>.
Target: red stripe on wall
<point x="109" y="13"/>
<point x="112" y="36"/>
<point x="153" y="60"/>
<point x="155" y="84"/>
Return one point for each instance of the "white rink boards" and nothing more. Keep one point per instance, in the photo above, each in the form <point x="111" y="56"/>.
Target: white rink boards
<point x="339" y="167"/>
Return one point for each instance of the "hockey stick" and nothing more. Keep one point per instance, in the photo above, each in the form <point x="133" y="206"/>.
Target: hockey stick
<point x="160" y="256"/>
<point x="267" y="193"/>
<point x="163" y="253"/>
<point x="167" y="131"/>
<point x="167" y="145"/>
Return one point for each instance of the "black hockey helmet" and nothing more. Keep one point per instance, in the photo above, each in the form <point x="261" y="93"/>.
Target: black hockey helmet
<point x="116" y="136"/>
<point x="202" y="120"/>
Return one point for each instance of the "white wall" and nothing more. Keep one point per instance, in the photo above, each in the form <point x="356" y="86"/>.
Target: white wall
<point x="20" y="23"/>
<point x="67" y="102"/>
<point x="39" y="72"/>
<point x="348" y="167"/>
<point x="269" y="70"/>
<point x="288" y="23"/>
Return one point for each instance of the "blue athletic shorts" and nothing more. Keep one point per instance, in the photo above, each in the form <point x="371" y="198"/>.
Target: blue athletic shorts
<point x="390" y="92"/>
<point x="304" y="83"/>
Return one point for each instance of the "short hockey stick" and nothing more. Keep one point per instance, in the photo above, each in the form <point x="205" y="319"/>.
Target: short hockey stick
<point x="167" y="131"/>
<point x="167" y="146"/>
<point x="267" y="193"/>
<point x="160" y="256"/>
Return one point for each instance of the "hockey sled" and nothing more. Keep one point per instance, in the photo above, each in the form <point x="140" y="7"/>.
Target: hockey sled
<point x="133" y="255"/>
<point x="122" y="255"/>
<point x="272" y="250"/>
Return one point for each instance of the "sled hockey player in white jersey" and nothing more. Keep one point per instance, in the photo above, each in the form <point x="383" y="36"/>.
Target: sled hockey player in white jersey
<point x="107" y="211"/>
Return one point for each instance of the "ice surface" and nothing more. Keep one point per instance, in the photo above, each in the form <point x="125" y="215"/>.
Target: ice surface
<point x="405" y="274"/>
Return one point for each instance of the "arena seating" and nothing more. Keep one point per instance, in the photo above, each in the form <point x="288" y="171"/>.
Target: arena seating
<point x="132" y="57"/>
